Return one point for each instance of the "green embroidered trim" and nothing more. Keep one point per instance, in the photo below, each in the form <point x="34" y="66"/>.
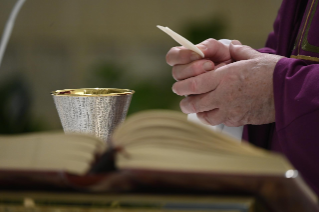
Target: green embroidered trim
<point x="302" y="24"/>
<point x="304" y="57"/>
<point x="305" y="44"/>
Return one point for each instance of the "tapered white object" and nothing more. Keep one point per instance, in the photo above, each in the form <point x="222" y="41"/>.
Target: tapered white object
<point x="181" y="40"/>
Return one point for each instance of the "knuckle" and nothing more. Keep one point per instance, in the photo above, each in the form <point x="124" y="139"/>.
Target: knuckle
<point x="184" y="55"/>
<point x="193" y="85"/>
<point x="195" y="68"/>
<point x="204" y="117"/>
<point x="209" y="43"/>
<point x="203" y="102"/>
<point x="210" y="120"/>
<point x="207" y="119"/>
<point x="192" y="105"/>
<point x="210" y="40"/>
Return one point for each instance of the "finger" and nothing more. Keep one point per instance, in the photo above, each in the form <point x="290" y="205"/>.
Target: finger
<point x="195" y="85"/>
<point x="214" y="50"/>
<point x="181" y="55"/>
<point x="242" y="52"/>
<point x="213" y="117"/>
<point x="223" y="64"/>
<point x="202" y="83"/>
<point x="195" y="68"/>
<point x="236" y="42"/>
<point x="200" y="103"/>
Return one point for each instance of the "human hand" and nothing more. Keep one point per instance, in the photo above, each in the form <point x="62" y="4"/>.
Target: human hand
<point x="187" y="63"/>
<point x="236" y="94"/>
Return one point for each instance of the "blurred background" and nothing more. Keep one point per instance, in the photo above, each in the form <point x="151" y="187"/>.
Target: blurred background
<point x="59" y="44"/>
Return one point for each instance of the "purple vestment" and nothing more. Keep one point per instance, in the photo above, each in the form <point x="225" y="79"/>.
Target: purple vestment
<point x="296" y="89"/>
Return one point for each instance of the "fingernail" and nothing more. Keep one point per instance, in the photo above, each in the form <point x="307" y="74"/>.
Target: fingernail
<point x="236" y="42"/>
<point x="184" y="106"/>
<point x="202" y="47"/>
<point x="173" y="89"/>
<point x="195" y="56"/>
<point x="208" y="66"/>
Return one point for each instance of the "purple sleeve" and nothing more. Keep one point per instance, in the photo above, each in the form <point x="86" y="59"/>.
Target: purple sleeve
<point x="296" y="90"/>
<point x="296" y="94"/>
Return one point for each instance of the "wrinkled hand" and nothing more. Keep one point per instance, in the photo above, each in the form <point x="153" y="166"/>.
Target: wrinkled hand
<point x="187" y="63"/>
<point x="235" y="94"/>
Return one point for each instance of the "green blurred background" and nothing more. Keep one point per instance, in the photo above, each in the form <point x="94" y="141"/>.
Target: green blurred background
<point x="58" y="44"/>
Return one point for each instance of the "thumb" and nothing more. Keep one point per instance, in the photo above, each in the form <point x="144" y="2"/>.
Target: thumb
<point x="241" y="52"/>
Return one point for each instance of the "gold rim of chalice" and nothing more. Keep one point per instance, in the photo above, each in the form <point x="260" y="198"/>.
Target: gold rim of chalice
<point x="93" y="92"/>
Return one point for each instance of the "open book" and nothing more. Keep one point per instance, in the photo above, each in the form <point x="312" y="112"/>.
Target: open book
<point x="155" y="149"/>
<point x="162" y="140"/>
<point x="167" y="141"/>
<point x="49" y="152"/>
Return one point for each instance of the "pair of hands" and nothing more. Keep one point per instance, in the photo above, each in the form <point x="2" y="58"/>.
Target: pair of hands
<point x="231" y="85"/>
